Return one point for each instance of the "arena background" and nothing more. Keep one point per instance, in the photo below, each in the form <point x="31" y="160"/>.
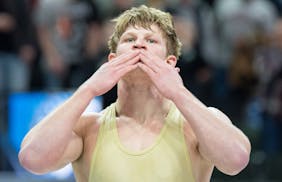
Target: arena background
<point x="231" y="59"/>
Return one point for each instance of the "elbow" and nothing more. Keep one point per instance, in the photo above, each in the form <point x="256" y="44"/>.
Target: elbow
<point x="238" y="158"/>
<point x="237" y="162"/>
<point x="31" y="161"/>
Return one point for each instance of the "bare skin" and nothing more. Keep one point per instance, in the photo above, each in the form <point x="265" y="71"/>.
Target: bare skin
<point x="146" y="78"/>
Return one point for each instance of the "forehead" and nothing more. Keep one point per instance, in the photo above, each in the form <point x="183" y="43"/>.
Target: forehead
<point x="153" y="30"/>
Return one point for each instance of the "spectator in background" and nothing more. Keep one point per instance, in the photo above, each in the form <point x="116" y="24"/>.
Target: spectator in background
<point x="242" y="78"/>
<point x="268" y="65"/>
<point x="195" y="71"/>
<point x="17" y="56"/>
<point x="268" y="56"/>
<point x="272" y="130"/>
<point x="17" y="51"/>
<point x="62" y="28"/>
<point x="240" y="20"/>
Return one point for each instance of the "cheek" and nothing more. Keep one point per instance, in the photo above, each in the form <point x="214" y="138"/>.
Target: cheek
<point x="122" y="48"/>
<point x="161" y="51"/>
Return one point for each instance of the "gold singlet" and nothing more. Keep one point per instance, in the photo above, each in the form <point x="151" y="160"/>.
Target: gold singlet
<point x="167" y="160"/>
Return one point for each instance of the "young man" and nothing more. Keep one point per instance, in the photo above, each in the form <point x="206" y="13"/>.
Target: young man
<point x="156" y="131"/>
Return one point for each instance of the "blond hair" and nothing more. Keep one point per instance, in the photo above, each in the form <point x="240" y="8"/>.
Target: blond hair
<point x="144" y="16"/>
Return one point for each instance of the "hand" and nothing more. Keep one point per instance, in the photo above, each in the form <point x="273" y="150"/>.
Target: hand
<point x="107" y="76"/>
<point x="165" y="77"/>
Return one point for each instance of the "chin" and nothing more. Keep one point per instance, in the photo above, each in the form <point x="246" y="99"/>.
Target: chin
<point x="137" y="75"/>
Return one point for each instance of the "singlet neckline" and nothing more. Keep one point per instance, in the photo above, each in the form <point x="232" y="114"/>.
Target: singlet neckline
<point x="146" y="150"/>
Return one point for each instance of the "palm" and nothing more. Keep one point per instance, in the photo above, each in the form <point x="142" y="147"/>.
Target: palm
<point x="164" y="76"/>
<point x="107" y="76"/>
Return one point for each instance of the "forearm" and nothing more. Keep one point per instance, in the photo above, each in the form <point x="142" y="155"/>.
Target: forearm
<point x="219" y="141"/>
<point x="50" y="138"/>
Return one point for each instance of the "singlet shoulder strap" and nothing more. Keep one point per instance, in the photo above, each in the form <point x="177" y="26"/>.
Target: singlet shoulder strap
<point x="174" y="117"/>
<point x="107" y="116"/>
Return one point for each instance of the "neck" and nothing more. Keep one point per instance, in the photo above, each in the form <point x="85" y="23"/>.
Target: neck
<point x="141" y="101"/>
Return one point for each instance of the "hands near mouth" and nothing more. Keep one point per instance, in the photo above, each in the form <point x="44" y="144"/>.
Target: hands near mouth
<point x="165" y="76"/>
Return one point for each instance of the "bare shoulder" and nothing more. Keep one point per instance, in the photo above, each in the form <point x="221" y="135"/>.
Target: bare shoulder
<point x="87" y="121"/>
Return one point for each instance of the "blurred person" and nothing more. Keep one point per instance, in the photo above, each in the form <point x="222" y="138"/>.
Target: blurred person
<point x="242" y="79"/>
<point x="111" y="8"/>
<point x="17" y="51"/>
<point x="155" y="131"/>
<point x="62" y="27"/>
<point x="17" y="56"/>
<point x="268" y="66"/>
<point x="241" y="19"/>
<point x="238" y="20"/>
<point x="209" y="32"/>
<point x="268" y="55"/>
<point x="272" y="115"/>
<point x="196" y="73"/>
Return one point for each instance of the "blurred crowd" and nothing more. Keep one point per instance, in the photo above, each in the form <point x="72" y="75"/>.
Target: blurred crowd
<point x="231" y="57"/>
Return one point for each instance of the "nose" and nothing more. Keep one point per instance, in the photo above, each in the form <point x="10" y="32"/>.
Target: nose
<point x="139" y="45"/>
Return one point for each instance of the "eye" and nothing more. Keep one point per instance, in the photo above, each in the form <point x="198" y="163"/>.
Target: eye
<point x="129" y="39"/>
<point x="151" y="41"/>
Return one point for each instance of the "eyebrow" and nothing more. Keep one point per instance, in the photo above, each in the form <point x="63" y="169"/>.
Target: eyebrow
<point x="131" y="33"/>
<point x="128" y="33"/>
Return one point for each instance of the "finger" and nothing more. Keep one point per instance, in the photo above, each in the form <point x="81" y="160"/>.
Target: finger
<point x="157" y="61"/>
<point x="149" y="62"/>
<point x="126" y="69"/>
<point x="133" y="60"/>
<point x="124" y="58"/>
<point x="147" y="70"/>
<point x="130" y="62"/>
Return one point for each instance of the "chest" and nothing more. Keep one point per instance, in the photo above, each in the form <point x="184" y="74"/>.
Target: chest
<point x="136" y="137"/>
<point x="162" y="159"/>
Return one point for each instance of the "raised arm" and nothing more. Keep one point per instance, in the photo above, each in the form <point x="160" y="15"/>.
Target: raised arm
<point x="54" y="142"/>
<point x="219" y="141"/>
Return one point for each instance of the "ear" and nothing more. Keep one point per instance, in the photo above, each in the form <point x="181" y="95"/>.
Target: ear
<point x="172" y="60"/>
<point x="111" y="56"/>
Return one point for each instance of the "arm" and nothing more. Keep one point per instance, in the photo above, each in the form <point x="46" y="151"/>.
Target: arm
<point x="219" y="141"/>
<point x="54" y="142"/>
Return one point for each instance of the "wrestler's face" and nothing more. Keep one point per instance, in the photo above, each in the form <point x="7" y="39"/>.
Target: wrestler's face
<point x="139" y="38"/>
<point x="149" y="41"/>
